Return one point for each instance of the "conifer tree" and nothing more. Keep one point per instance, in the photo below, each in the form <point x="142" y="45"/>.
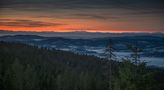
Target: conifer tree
<point x="110" y="56"/>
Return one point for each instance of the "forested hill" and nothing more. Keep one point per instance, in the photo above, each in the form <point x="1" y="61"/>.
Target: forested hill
<point x="24" y="67"/>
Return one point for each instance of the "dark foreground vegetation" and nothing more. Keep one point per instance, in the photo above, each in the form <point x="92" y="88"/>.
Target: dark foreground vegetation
<point x="24" y="67"/>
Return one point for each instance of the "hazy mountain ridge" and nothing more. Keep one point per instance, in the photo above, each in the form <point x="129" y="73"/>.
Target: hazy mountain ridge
<point x="151" y="45"/>
<point x="78" y="34"/>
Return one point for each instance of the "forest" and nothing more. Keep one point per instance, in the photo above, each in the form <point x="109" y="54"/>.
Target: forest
<point x="26" y="67"/>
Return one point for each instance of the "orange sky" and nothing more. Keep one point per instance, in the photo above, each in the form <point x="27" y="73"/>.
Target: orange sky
<point x="77" y="24"/>
<point x="46" y="19"/>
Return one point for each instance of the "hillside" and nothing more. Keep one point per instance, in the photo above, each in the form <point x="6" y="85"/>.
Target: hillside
<point x="24" y="67"/>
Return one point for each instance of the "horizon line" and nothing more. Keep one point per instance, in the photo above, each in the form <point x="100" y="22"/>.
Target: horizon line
<point x="83" y="31"/>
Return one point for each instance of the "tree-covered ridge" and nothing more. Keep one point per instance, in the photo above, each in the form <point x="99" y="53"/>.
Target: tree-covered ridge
<point x="24" y="67"/>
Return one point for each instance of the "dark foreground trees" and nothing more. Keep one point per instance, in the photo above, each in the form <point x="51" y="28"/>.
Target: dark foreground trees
<point x="133" y="74"/>
<point x="24" y="67"/>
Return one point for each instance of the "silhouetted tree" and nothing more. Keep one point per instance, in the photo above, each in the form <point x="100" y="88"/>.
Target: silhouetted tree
<point x="110" y="56"/>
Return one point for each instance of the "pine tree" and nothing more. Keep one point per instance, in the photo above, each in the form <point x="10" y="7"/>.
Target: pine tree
<point x="15" y="76"/>
<point x="110" y="56"/>
<point x="135" y="54"/>
<point x="130" y="73"/>
<point x="30" y="78"/>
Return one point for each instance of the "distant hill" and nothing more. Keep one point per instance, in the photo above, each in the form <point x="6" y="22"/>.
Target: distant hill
<point x="93" y="46"/>
<point x="77" y="34"/>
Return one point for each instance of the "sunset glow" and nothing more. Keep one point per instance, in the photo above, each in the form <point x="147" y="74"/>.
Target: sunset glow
<point x="67" y="17"/>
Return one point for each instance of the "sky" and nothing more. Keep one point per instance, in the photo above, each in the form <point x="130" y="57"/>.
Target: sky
<point x="82" y="15"/>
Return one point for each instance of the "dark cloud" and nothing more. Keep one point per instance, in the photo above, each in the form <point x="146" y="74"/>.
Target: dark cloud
<point x="26" y="23"/>
<point x="95" y="16"/>
<point x="149" y="6"/>
<point x="135" y="4"/>
<point x="147" y="12"/>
